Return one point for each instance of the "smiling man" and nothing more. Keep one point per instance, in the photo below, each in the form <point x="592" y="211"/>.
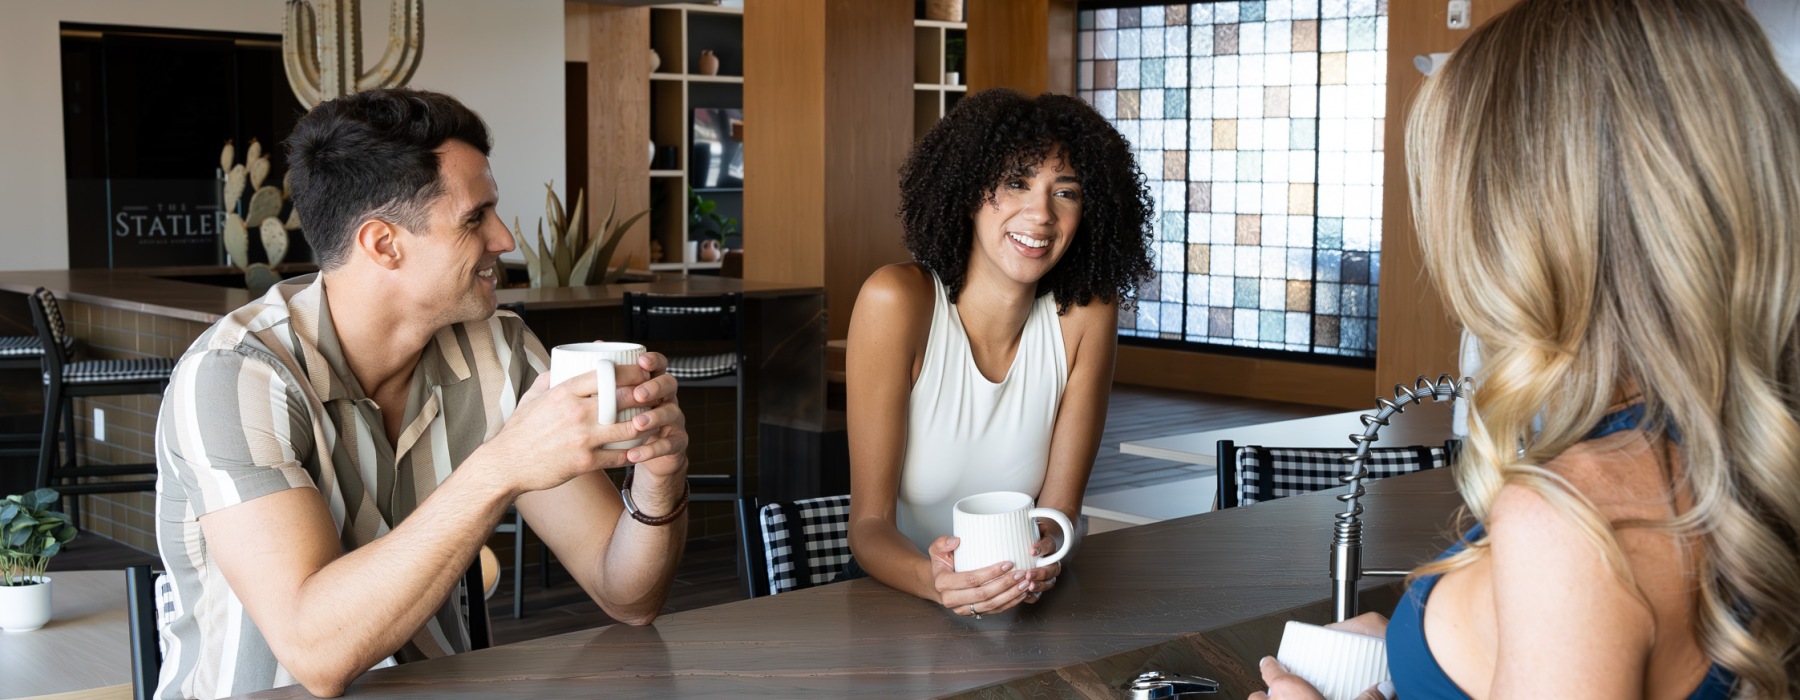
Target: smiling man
<point x="332" y="455"/>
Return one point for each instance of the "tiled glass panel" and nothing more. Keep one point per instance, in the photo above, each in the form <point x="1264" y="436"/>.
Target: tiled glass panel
<point x="1258" y="125"/>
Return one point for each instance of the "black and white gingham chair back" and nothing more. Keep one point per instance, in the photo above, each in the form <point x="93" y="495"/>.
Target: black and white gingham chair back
<point x="1268" y="473"/>
<point x="53" y="321"/>
<point x="821" y="527"/>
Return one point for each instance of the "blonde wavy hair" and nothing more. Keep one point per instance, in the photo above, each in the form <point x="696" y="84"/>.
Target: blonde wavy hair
<point x="1605" y="194"/>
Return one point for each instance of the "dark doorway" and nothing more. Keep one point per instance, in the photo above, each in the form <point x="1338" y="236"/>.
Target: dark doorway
<point x="145" y="112"/>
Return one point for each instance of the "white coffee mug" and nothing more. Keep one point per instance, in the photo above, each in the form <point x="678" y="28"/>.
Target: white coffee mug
<point x="1340" y="664"/>
<point x="573" y="360"/>
<point x="1000" y="526"/>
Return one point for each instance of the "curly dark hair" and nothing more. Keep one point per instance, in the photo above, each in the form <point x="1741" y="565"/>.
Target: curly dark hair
<point x="997" y="134"/>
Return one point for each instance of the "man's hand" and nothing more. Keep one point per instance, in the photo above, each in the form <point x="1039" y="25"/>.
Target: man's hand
<point x="662" y="459"/>
<point x="555" y="433"/>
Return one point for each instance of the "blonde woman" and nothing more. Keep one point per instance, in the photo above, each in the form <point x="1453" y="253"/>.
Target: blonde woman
<point x="1605" y="193"/>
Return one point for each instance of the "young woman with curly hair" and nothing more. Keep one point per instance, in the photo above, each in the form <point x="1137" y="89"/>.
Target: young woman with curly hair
<point x="1605" y="195"/>
<point x="985" y="364"/>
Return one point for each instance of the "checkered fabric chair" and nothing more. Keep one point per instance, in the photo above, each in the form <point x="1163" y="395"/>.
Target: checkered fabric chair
<point x="703" y="337"/>
<point x="823" y="533"/>
<point x="1252" y="474"/>
<point x="65" y="380"/>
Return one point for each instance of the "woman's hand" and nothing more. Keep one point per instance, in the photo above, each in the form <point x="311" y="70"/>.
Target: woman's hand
<point x="1042" y="578"/>
<point x="987" y="590"/>
<point x="1287" y="686"/>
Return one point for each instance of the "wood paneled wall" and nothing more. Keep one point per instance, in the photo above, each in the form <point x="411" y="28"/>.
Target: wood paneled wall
<point x="1026" y="45"/>
<point x="828" y="121"/>
<point x="1416" y="335"/>
<point x="618" y="57"/>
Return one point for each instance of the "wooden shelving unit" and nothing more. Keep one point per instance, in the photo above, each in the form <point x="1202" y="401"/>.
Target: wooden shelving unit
<point x="932" y="96"/>
<point x="678" y="33"/>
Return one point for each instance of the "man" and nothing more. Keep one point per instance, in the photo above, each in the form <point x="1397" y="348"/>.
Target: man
<point x="332" y="455"/>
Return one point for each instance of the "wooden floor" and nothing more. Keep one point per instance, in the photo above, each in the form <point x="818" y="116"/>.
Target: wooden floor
<point x="708" y="572"/>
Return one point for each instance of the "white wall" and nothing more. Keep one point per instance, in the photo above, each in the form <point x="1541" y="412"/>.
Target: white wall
<point x="1781" y="21"/>
<point x="503" y="59"/>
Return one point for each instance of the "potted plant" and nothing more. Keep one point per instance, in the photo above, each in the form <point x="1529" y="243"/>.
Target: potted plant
<point x="954" y="50"/>
<point x="30" y="534"/>
<point x="704" y="218"/>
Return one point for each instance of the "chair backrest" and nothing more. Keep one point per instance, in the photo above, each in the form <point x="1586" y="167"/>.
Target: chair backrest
<point x="150" y="600"/>
<point x="660" y="317"/>
<point x="819" y="527"/>
<point x="47" y="318"/>
<point x="1254" y="474"/>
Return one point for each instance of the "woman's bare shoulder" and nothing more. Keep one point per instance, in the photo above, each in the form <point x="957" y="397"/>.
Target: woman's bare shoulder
<point x="894" y="309"/>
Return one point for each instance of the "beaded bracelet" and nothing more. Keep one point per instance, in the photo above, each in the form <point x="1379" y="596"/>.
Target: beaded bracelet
<point x="638" y="515"/>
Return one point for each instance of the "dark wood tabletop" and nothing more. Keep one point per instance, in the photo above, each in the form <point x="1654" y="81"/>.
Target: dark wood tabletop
<point x="1204" y="595"/>
<point x="164" y="292"/>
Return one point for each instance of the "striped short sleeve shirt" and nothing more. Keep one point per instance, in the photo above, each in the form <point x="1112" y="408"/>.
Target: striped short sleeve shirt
<point x="264" y="401"/>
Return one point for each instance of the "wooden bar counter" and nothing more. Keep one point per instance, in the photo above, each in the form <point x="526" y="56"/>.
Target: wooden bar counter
<point x="1205" y="595"/>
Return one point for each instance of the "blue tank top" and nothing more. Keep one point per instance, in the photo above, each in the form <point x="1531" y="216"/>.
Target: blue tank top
<point x="1416" y="672"/>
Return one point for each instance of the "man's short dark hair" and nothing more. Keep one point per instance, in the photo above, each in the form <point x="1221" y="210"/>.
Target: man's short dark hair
<point x="373" y="154"/>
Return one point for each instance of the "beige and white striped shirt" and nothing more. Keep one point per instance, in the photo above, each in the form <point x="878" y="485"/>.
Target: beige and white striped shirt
<point x="264" y="401"/>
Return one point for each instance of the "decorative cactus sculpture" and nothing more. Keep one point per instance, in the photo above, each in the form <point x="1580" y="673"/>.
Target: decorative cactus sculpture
<point x="324" y="58"/>
<point x="571" y="256"/>
<point x="262" y="210"/>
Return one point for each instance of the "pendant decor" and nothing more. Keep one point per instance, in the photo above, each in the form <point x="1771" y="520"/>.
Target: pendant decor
<point x="323" y="52"/>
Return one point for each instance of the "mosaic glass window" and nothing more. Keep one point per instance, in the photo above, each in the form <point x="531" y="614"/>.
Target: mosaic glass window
<point x="1259" y="127"/>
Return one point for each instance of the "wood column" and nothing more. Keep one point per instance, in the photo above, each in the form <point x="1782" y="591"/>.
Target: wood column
<point x="1416" y="334"/>
<point x="1026" y="45"/>
<point x="618" y="109"/>
<point x="828" y="121"/>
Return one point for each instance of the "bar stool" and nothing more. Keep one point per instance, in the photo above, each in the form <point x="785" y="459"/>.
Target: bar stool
<point x="714" y="322"/>
<point x="23" y="352"/>
<point x="66" y="379"/>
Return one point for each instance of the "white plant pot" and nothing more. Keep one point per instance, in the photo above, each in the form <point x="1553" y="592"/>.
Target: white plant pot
<point x="25" y="608"/>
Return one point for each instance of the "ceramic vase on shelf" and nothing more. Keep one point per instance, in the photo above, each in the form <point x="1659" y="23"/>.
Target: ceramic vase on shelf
<point x="655" y="60"/>
<point x="709" y="251"/>
<point x="25" y="608"/>
<point x="709" y="63"/>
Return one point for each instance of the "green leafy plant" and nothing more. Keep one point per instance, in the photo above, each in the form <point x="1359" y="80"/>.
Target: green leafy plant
<point x="570" y="257"/>
<point x="954" y="48"/>
<point x="704" y="216"/>
<point x="30" y="534"/>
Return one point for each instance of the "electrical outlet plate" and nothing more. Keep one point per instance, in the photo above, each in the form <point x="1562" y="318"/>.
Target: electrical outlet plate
<point x="100" y="424"/>
<point x="1457" y="14"/>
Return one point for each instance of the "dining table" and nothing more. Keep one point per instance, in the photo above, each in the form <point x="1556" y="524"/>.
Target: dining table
<point x="1206" y="595"/>
<point x="84" y="651"/>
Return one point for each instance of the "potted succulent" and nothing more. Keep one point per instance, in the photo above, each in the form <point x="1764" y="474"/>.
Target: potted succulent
<point x="30" y="534"/>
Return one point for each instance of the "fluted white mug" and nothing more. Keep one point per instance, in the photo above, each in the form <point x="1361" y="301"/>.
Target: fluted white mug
<point x="1001" y="526"/>
<point x="1340" y="664"/>
<point x="575" y="359"/>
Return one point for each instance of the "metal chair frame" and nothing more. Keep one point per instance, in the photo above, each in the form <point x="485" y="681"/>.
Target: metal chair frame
<point x="653" y="318"/>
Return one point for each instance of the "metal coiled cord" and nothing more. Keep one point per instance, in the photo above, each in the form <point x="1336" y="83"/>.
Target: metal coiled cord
<point x="1346" y="552"/>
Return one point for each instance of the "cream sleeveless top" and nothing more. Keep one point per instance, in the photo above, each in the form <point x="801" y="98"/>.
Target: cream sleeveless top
<point x="966" y="435"/>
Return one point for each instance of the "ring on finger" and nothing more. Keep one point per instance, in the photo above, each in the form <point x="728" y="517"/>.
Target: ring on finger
<point x="972" y="612"/>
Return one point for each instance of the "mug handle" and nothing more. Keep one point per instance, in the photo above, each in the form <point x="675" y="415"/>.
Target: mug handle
<point x="1068" y="533"/>
<point x="608" y="395"/>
